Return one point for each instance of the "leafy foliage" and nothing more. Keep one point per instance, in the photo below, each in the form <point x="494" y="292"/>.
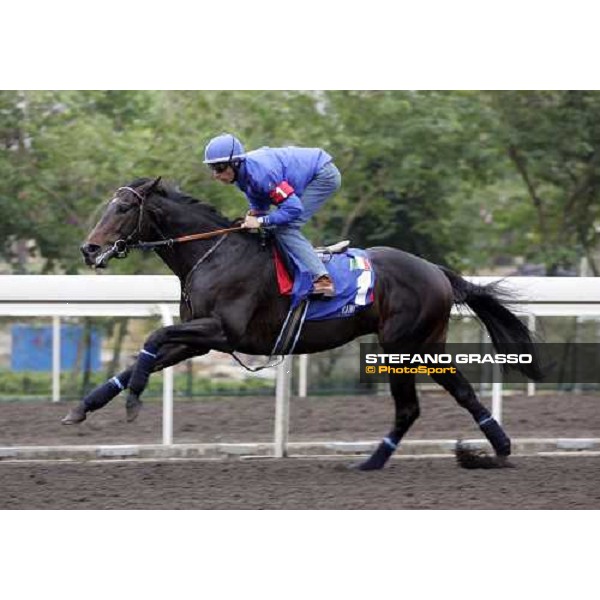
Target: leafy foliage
<point x="469" y="179"/>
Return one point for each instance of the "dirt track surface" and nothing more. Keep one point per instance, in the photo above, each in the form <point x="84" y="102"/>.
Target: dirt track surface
<point x="245" y="419"/>
<point x="536" y="483"/>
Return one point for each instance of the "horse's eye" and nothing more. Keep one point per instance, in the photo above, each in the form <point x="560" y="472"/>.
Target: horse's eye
<point x="123" y="208"/>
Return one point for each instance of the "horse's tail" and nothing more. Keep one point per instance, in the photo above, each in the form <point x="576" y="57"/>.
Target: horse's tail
<point x="508" y="332"/>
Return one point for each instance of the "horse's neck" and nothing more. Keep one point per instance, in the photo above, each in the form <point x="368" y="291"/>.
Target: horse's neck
<point x="180" y="263"/>
<point x="181" y="258"/>
<point x="232" y="249"/>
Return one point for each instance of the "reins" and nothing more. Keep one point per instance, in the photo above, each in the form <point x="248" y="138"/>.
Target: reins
<point x="294" y="321"/>
<point x="185" y="238"/>
<point x="121" y="247"/>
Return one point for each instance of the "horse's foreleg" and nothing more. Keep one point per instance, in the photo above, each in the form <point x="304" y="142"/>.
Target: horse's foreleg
<point x="98" y="398"/>
<point x="168" y="346"/>
<point x="407" y="412"/>
<point x="167" y="356"/>
<point x="103" y="394"/>
<point x="463" y="392"/>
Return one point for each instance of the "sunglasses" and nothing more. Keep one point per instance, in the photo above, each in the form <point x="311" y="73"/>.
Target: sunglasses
<point x="219" y="167"/>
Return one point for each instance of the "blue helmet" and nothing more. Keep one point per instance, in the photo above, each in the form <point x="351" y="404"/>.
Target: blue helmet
<point x="223" y="149"/>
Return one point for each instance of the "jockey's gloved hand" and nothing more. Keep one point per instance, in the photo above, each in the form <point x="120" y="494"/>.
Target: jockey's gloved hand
<point x="251" y="222"/>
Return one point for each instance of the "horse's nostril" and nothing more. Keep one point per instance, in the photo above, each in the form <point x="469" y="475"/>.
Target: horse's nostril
<point x="90" y="248"/>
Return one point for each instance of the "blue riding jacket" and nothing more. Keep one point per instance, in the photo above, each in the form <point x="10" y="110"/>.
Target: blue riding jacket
<point x="279" y="176"/>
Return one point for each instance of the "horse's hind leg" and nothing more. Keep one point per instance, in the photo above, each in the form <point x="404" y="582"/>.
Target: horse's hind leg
<point x="463" y="392"/>
<point x="407" y="411"/>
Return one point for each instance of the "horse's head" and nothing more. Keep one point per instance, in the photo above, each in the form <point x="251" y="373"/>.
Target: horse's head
<point x="121" y="223"/>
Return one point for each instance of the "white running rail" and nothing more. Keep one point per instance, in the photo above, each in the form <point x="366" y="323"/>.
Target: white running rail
<point x="57" y="296"/>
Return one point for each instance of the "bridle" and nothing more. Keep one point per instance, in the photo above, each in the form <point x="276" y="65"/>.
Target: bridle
<point x="121" y="248"/>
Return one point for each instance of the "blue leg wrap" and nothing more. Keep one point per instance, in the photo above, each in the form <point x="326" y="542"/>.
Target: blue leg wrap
<point x="142" y="370"/>
<point x="390" y="443"/>
<point x="381" y="455"/>
<point x="496" y="436"/>
<point x="104" y="393"/>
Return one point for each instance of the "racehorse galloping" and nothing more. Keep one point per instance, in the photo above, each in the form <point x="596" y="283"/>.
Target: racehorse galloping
<point x="230" y="302"/>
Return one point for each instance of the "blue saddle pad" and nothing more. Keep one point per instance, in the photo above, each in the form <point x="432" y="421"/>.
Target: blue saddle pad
<point x="354" y="280"/>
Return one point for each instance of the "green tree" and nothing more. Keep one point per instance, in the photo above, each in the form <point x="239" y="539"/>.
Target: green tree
<point x="465" y="178"/>
<point x="404" y="156"/>
<point x="552" y="141"/>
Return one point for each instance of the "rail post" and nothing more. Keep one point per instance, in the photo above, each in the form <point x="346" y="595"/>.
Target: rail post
<point x="167" y="429"/>
<point x="303" y="376"/>
<point x="531" y="384"/>
<point x="55" y="358"/>
<point x="497" y="394"/>
<point x="282" y="407"/>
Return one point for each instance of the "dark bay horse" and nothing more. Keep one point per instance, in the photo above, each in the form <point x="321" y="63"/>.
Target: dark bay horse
<point x="230" y="302"/>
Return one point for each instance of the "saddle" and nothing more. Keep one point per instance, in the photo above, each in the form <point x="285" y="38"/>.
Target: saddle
<point x="336" y="248"/>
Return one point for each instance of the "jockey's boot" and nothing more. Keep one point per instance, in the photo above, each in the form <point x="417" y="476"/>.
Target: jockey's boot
<point x="323" y="287"/>
<point x="133" y="405"/>
<point x="76" y="415"/>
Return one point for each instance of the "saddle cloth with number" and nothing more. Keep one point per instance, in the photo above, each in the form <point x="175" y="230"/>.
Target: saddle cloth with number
<point x="352" y="274"/>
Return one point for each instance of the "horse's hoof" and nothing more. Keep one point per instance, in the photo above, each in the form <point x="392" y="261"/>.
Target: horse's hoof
<point x="133" y="407"/>
<point x="504" y="462"/>
<point x="75" y="415"/>
<point x="366" y="465"/>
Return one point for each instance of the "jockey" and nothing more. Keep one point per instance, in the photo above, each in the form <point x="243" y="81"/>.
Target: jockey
<point x="296" y="180"/>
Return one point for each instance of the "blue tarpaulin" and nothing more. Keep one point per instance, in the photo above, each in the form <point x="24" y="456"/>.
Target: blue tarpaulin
<point x="32" y="347"/>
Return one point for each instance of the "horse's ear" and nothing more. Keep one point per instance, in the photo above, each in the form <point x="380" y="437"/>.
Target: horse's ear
<point x="154" y="184"/>
<point x="150" y="186"/>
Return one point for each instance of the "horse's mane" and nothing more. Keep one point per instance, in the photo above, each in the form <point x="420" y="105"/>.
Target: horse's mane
<point x="172" y="192"/>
